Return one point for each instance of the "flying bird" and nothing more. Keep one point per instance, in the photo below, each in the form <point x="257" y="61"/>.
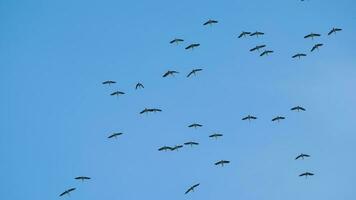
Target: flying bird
<point x="256" y="34"/>
<point x="82" y="178"/>
<point x="193" y="72"/>
<point x="192" y="46"/>
<point x="258" y="47"/>
<point x="243" y="34"/>
<point x="109" y="82"/>
<point x="176" y="41"/>
<point x="222" y="162"/>
<point x="210" y="22"/>
<point x="165" y="148"/>
<point x="191" y="143"/>
<point x="312" y="35"/>
<point x="139" y="86"/>
<point x="195" y="125"/>
<point x="191" y="189"/>
<point x="302" y="155"/>
<point x="316" y="47"/>
<point x="278" y="118"/>
<point x="249" y="117"/>
<point x="266" y="52"/>
<point x="170" y="73"/>
<point x="67" y="192"/>
<point x="306" y="174"/>
<point x="177" y="147"/>
<point x="298" y="108"/>
<point x="216" y="135"/>
<point x="334" y="30"/>
<point x="299" y="55"/>
<point x="147" y="110"/>
<point x="114" y="135"/>
<point x="117" y="93"/>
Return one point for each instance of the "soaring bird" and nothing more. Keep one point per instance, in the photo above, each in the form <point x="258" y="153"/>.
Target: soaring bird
<point x="170" y="73"/>
<point x="299" y="55"/>
<point x="222" y="162"/>
<point x="266" y="52"/>
<point x="258" y="47"/>
<point x="334" y="30"/>
<point x="117" y="93"/>
<point x="192" y="46"/>
<point x="109" y="82"/>
<point x="249" y="117"/>
<point x="191" y="143"/>
<point x="298" y="108"/>
<point x="165" y="148"/>
<point x="312" y="35"/>
<point x="114" y="135"/>
<point x="278" y="118"/>
<point x="139" y="86"/>
<point x="147" y="110"/>
<point x="256" y="34"/>
<point x="302" y="155"/>
<point x="67" y="192"/>
<point x="210" y="22"/>
<point x="216" y="135"/>
<point x="176" y="41"/>
<point x="82" y="178"/>
<point x="195" y="125"/>
<point x="306" y="174"/>
<point x="243" y="34"/>
<point x="177" y="147"/>
<point x="191" y="189"/>
<point x="193" y="72"/>
<point x="316" y="47"/>
<point x="155" y="110"/>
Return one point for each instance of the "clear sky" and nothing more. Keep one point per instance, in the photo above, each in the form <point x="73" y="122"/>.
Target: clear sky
<point x="56" y="115"/>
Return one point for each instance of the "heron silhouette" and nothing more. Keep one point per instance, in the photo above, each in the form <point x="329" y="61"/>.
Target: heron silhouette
<point x="249" y="118"/>
<point x="191" y="189"/>
<point x="114" y="135"/>
<point x="176" y="41"/>
<point x="192" y="46"/>
<point x="316" y="47"/>
<point x="191" y="143"/>
<point x="299" y="55"/>
<point x="216" y="135"/>
<point x="257" y="33"/>
<point x="193" y="72"/>
<point x="109" y="82"/>
<point x="302" y="156"/>
<point x="312" y="35"/>
<point x="82" y="178"/>
<point x="258" y="47"/>
<point x="170" y="73"/>
<point x="297" y="108"/>
<point x="139" y="86"/>
<point x="117" y="93"/>
<point x="243" y="34"/>
<point x="278" y="118"/>
<point x="266" y="52"/>
<point x="67" y="192"/>
<point x="210" y="22"/>
<point x="222" y="162"/>
<point x="165" y="148"/>
<point x="306" y="174"/>
<point x="334" y="30"/>
<point x="195" y="125"/>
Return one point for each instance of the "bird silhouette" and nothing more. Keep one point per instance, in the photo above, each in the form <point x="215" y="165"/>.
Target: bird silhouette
<point x="165" y="148"/>
<point x="139" y="86"/>
<point x="216" y="135"/>
<point x="117" y="93"/>
<point x="192" y="46"/>
<point x="67" y="192"/>
<point x="299" y="55"/>
<point x="114" y="135"/>
<point x="170" y="73"/>
<point x="210" y="22"/>
<point x="256" y="33"/>
<point x="316" y="47"/>
<point x="278" y="118"/>
<point x="82" y="178"/>
<point x="243" y="34"/>
<point x="176" y="41"/>
<point x="302" y="155"/>
<point x="176" y="147"/>
<point x="249" y="118"/>
<point x="191" y="143"/>
<point x="334" y="30"/>
<point x="109" y="82"/>
<point x="222" y="162"/>
<point x="312" y="35"/>
<point x="195" y="125"/>
<point x="191" y="189"/>
<point x="298" y="108"/>
<point x="193" y="72"/>
<point x="148" y="110"/>
<point x="258" y="47"/>
<point x="306" y="174"/>
<point x="266" y="52"/>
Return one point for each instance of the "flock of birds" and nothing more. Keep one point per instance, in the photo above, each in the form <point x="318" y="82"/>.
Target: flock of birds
<point x="196" y="125"/>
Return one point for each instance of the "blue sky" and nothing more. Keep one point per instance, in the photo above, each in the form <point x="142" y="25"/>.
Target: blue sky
<point x="56" y="115"/>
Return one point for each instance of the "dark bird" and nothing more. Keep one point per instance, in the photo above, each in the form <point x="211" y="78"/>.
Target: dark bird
<point x="299" y="55"/>
<point x="298" y="108"/>
<point x="109" y="82"/>
<point x="192" y="46"/>
<point x="312" y="35"/>
<point x="256" y="34"/>
<point x="334" y="30"/>
<point x="222" y="162"/>
<point x="193" y="72"/>
<point x="195" y="125"/>
<point x="266" y="52"/>
<point x="82" y="178"/>
<point x="306" y="174"/>
<point x="191" y="143"/>
<point x="170" y="73"/>
<point x="191" y="189"/>
<point x="114" y="135"/>
<point x="216" y="135"/>
<point x="278" y="118"/>
<point x="117" y="93"/>
<point x="249" y="117"/>
<point x="177" y="147"/>
<point x="155" y="110"/>
<point x="67" y="192"/>
<point x="147" y="110"/>
<point x="176" y="41"/>
<point x="165" y="148"/>
<point x="210" y="22"/>
<point x="316" y="47"/>
<point x="258" y="47"/>
<point x="302" y="155"/>
<point x="243" y="34"/>
<point x="139" y="86"/>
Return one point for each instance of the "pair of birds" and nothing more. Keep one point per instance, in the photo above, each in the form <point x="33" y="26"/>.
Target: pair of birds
<point x="305" y="174"/>
<point x="68" y="191"/>
<point x="172" y="73"/>
<point x="247" y="33"/>
<point x="264" y="53"/>
<point x="313" y="35"/>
